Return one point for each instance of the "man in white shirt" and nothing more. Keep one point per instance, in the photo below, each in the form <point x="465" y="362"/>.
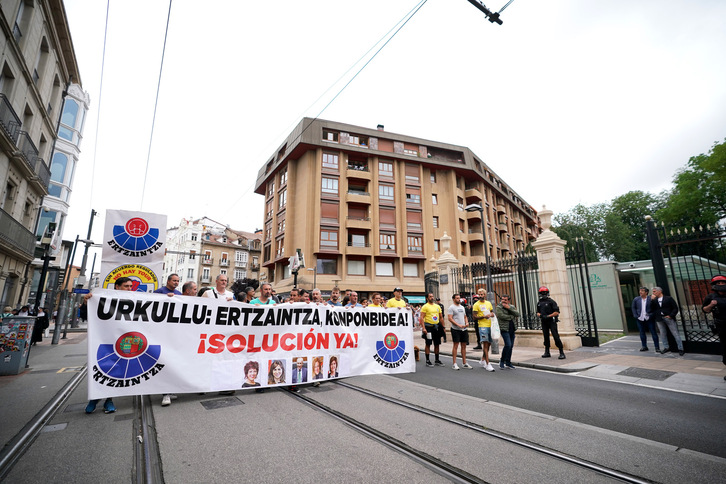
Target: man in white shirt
<point x="459" y="330"/>
<point x="220" y="292"/>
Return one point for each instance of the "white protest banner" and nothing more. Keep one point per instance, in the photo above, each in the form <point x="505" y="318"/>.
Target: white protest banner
<point x="155" y="344"/>
<point x="133" y="246"/>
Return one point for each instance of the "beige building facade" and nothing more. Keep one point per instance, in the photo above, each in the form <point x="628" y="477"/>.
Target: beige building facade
<point x="37" y="62"/>
<point x="368" y="208"/>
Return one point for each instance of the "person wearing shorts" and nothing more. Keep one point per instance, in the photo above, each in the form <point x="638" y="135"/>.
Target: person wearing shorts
<point x="459" y="331"/>
<point x="430" y="322"/>
<point x="483" y="311"/>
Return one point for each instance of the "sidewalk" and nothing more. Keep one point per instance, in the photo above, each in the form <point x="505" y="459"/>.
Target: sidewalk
<point x="618" y="360"/>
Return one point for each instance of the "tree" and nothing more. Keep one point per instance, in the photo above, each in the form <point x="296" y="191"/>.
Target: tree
<point x="698" y="197"/>
<point x="584" y="222"/>
<point x="624" y="236"/>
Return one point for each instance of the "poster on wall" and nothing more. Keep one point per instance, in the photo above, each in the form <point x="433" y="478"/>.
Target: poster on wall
<point x="133" y="246"/>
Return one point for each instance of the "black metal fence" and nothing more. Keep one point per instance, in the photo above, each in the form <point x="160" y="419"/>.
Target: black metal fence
<point x="431" y="283"/>
<point x="583" y="309"/>
<point x="693" y="257"/>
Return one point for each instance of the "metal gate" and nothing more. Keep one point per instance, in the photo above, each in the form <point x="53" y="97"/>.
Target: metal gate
<point x="583" y="309"/>
<point x="431" y="283"/>
<point x="692" y="258"/>
<point x="518" y="276"/>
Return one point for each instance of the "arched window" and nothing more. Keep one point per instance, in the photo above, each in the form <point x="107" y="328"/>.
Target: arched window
<point x="58" y="168"/>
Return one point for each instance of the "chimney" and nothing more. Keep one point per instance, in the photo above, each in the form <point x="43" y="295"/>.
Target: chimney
<point x="380" y="127"/>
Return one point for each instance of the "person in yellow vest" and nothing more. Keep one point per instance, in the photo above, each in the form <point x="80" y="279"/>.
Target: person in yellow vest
<point x="483" y="310"/>
<point x="375" y="300"/>
<point x="397" y="301"/>
<point x="432" y="328"/>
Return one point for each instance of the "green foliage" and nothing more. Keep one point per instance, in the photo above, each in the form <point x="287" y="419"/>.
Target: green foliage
<point x="616" y="230"/>
<point x="698" y="196"/>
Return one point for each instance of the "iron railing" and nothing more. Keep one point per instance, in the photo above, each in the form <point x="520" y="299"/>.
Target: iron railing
<point x="9" y="120"/>
<point x="16" y="235"/>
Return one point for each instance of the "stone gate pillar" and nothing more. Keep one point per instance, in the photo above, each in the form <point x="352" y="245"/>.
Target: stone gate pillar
<point x="444" y="264"/>
<point x="553" y="274"/>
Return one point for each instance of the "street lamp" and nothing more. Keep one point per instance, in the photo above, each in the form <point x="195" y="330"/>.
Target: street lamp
<point x="315" y="276"/>
<point x="473" y="208"/>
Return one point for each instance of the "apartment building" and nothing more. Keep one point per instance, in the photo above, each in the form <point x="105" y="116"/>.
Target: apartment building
<point x="368" y="208"/>
<point x="37" y="64"/>
<point x="201" y="249"/>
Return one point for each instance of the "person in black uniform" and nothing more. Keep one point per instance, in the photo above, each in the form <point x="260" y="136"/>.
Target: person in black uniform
<point x="715" y="303"/>
<point x="548" y="311"/>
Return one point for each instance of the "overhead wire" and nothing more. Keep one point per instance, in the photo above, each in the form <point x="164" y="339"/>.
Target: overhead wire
<point x="401" y="23"/>
<point x="100" y="98"/>
<point x="156" y="105"/>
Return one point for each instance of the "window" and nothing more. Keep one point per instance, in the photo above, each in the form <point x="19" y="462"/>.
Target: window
<point x="268" y="210"/>
<point x="329" y="212"/>
<point x="270" y="189"/>
<point x="356" y="267"/>
<point x="58" y="168"/>
<point x="358" y="188"/>
<point x="328" y="239"/>
<point x="413" y="196"/>
<point x="330" y="135"/>
<point x="224" y="259"/>
<point x="387" y="242"/>
<point x="415" y="244"/>
<point x="412" y="173"/>
<point x="68" y="119"/>
<point x="330" y="185"/>
<point x="327" y="266"/>
<point x="192" y="254"/>
<point x="240" y="274"/>
<point x="283" y="177"/>
<point x="268" y="231"/>
<point x="44" y="220"/>
<point x="205" y="274"/>
<point x="240" y="256"/>
<point x="387" y="217"/>
<point x="461" y="226"/>
<point x="460" y="203"/>
<point x="434" y="199"/>
<point x="385" y="168"/>
<point x="223" y="272"/>
<point x="437" y="247"/>
<point x="330" y="161"/>
<point x="282" y="199"/>
<point x="385" y="192"/>
<point x="354" y="139"/>
<point x="280" y="226"/>
<point x="190" y="273"/>
<point x="413" y="220"/>
<point x="433" y="177"/>
<point x="357" y="240"/>
<point x="410" y="269"/>
<point x="384" y="269"/>
<point x="436" y="222"/>
<point x="463" y="248"/>
<point x="280" y="248"/>
<point x="195" y="236"/>
<point x="356" y="212"/>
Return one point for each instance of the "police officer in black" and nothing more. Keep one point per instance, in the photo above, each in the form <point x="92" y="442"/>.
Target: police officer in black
<point x="715" y="303"/>
<point x="548" y="311"/>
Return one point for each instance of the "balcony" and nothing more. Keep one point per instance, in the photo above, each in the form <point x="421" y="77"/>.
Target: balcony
<point x="240" y="264"/>
<point x="361" y="172"/>
<point x="9" y="121"/>
<point x="255" y="267"/>
<point x="35" y="163"/>
<point x="206" y="280"/>
<point x="503" y="227"/>
<point x="224" y="262"/>
<point x="207" y="261"/>
<point x="358" y="223"/>
<point x="358" y="248"/>
<point x="15" y="238"/>
<point x="358" y="197"/>
<point x="475" y="235"/>
<point x="473" y="195"/>
<point x="501" y="208"/>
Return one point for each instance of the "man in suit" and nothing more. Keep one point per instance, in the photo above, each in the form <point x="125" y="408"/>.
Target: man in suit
<point x="665" y="310"/>
<point x="300" y="372"/>
<point x="643" y="312"/>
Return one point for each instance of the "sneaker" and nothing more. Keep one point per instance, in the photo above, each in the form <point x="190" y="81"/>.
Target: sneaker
<point x="664" y="351"/>
<point x="429" y="364"/>
<point x="166" y="401"/>
<point x="454" y="366"/>
<point x="510" y="366"/>
<point x="489" y="367"/>
<point x="681" y="352"/>
<point x="438" y="363"/>
<point x="91" y="407"/>
<point x="482" y="363"/>
<point x="109" y="407"/>
<point x="501" y="366"/>
<point x="467" y="366"/>
<point x="644" y="348"/>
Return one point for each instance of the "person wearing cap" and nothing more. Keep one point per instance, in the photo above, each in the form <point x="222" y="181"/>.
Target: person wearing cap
<point x="715" y="304"/>
<point x="397" y="300"/>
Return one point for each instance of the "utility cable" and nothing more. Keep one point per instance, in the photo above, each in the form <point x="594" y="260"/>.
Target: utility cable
<point x="100" y="97"/>
<point x="402" y="23"/>
<point x="156" y="105"/>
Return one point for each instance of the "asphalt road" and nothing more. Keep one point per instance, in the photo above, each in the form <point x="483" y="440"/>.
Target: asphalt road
<point x="689" y="421"/>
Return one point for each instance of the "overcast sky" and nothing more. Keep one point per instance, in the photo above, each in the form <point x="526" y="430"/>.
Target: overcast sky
<point x="569" y="101"/>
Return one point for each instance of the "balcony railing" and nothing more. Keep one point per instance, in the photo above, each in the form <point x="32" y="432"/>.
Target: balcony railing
<point x="224" y="262"/>
<point x="27" y="147"/>
<point x="240" y="264"/>
<point x="255" y="267"/>
<point x="356" y="192"/>
<point x="13" y="233"/>
<point x="206" y="279"/>
<point x="359" y="244"/>
<point x="207" y="261"/>
<point x="9" y="121"/>
<point x="357" y="167"/>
